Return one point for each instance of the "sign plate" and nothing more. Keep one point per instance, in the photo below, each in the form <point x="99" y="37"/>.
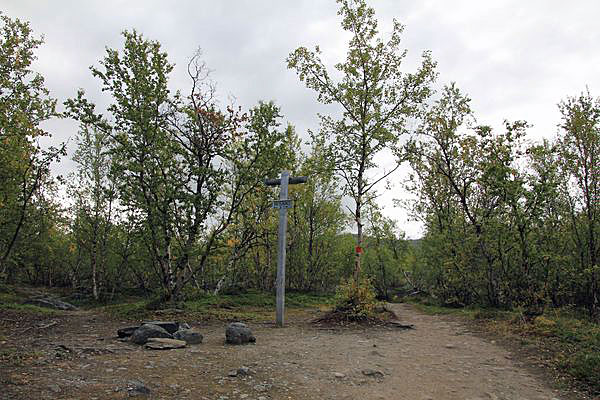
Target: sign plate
<point x="282" y="204"/>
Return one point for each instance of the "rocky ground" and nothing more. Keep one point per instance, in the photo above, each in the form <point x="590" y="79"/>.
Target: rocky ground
<point x="76" y="355"/>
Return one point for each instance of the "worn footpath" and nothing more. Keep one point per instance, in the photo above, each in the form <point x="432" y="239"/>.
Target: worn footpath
<point x="79" y="357"/>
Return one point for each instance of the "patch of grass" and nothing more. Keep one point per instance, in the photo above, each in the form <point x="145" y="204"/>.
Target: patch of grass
<point x="574" y="343"/>
<point x="11" y="300"/>
<point x="15" y="357"/>
<point x="250" y="305"/>
<point x="432" y="309"/>
<point x="257" y="299"/>
<point x="8" y="295"/>
<point x="128" y="310"/>
<point x="31" y="309"/>
<point x="302" y="300"/>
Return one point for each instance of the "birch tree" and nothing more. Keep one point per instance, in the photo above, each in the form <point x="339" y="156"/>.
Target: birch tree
<point x="376" y="98"/>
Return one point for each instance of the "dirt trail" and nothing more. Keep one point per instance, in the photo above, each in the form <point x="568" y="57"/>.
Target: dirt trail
<point x="440" y="359"/>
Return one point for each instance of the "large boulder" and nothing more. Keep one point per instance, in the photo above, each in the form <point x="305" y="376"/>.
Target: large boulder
<point x="147" y="331"/>
<point x="168" y="326"/>
<point x="238" y="333"/>
<point x="189" y="336"/>
<point x="51" y="303"/>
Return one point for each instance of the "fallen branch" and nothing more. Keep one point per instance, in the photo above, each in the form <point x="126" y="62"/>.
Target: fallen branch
<point x="397" y="324"/>
<point x="48" y="325"/>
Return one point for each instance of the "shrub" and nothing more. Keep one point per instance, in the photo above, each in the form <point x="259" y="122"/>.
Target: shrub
<point x="356" y="300"/>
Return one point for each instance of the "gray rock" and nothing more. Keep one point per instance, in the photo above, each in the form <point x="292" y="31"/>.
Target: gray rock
<point x="262" y="387"/>
<point x="184" y="325"/>
<point x="47" y="302"/>
<point x="54" y="388"/>
<point x="137" y="388"/>
<point x="164" y="344"/>
<point x="188" y="335"/>
<point x="243" y="371"/>
<point x="168" y="326"/>
<point x="147" y="331"/>
<point x="233" y="373"/>
<point x="339" y="375"/>
<point x="238" y="333"/>
<point x="126" y="332"/>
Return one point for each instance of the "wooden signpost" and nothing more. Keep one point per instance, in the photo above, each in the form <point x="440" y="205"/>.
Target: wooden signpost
<point x="282" y="204"/>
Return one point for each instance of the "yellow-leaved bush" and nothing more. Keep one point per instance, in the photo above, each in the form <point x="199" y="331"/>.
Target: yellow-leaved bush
<point x="356" y="299"/>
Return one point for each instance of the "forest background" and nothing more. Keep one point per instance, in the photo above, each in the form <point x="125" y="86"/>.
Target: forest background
<point x="168" y="194"/>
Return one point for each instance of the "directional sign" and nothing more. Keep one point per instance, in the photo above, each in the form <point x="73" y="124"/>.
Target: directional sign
<point x="282" y="204"/>
<point x="279" y="204"/>
<point x="293" y="180"/>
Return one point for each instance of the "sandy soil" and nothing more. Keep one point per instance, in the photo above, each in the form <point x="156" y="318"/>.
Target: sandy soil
<point x="80" y="358"/>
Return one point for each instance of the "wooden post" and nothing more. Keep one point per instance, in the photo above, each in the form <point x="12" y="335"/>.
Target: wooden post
<point x="283" y="204"/>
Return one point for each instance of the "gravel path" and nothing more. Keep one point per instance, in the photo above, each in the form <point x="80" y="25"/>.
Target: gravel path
<point x="440" y="359"/>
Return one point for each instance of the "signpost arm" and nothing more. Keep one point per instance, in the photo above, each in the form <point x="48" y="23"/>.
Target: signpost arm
<point x="281" y="244"/>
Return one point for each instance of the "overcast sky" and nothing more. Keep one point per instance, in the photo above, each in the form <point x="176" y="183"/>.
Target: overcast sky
<point x="515" y="59"/>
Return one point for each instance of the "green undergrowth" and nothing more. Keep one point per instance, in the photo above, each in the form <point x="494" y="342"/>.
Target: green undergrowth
<point x="254" y="298"/>
<point x="132" y="304"/>
<point x="129" y="310"/>
<point x="566" y="338"/>
<point x="11" y="298"/>
<point x="251" y="305"/>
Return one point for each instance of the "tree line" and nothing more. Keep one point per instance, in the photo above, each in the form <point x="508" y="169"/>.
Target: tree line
<point x="168" y="194"/>
<point x="509" y="223"/>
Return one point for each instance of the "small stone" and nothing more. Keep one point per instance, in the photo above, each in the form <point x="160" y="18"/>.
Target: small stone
<point x="243" y="371"/>
<point x="233" y="373"/>
<point x="262" y="387"/>
<point x="339" y="375"/>
<point x="54" y="388"/>
<point x="373" y="373"/>
<point x="137" y="388"/>
<point x="450" y="346"/>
